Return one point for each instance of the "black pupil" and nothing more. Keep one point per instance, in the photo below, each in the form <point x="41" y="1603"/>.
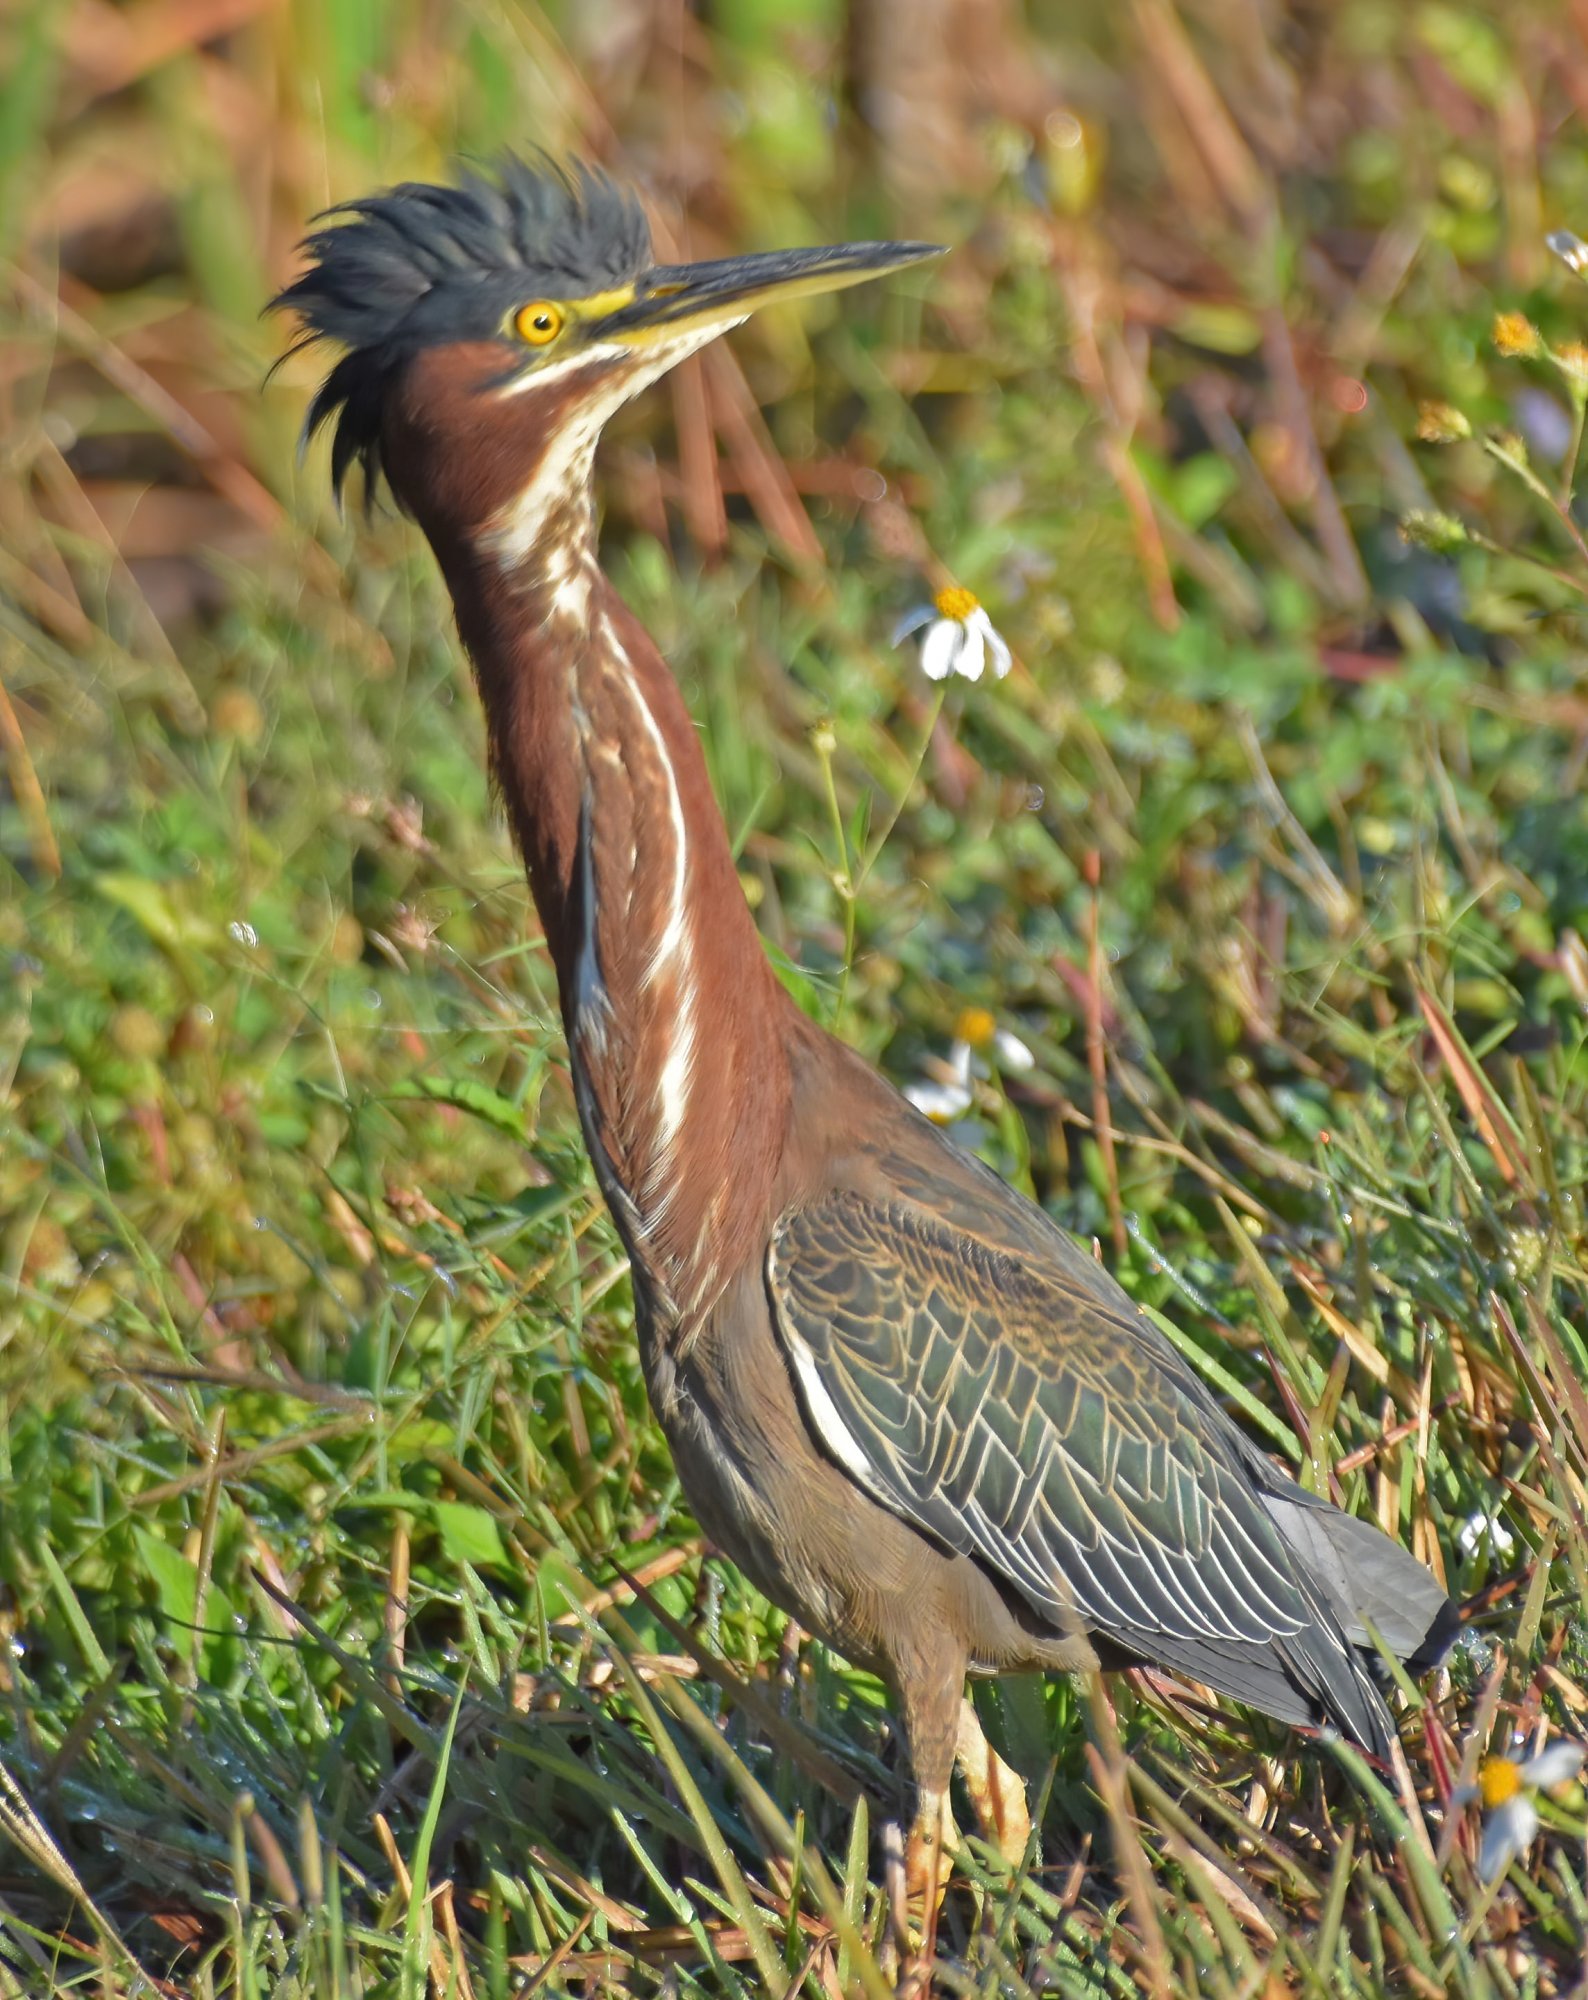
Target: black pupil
<point x="543" y="322"/>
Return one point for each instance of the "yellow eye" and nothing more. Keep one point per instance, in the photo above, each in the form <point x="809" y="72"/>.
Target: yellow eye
<point x="539" y="323"/>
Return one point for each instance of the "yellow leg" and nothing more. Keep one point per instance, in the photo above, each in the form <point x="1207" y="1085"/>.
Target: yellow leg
<point x="928" y="1864"/>
<point x="929" y="1857"/>
<point x="929" y="1679"/>
<point x="997" y="1794"/>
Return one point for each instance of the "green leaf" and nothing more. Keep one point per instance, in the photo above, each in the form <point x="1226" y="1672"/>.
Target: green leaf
<point x="149" y="905"/>
<point x="175" y="1578"/>
<point x="469" y="1534"/>
<point x="27" y="98"/>
<point x="469" y="1094"/>
<point x="1201" y="487"/>
<point x="562" y="1588"/>
<point x="539" y="1204"/>
<point x="1223" y="329"/>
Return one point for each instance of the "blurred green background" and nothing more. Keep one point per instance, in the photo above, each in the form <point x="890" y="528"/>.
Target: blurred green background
<point x="1249" y="404"/>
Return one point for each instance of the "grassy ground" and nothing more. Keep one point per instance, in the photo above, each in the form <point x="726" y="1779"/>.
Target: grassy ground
<point x="358" y="1637"/>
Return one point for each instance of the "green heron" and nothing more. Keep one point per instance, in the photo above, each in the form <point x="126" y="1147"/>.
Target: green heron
<point x="919" y="1416"/>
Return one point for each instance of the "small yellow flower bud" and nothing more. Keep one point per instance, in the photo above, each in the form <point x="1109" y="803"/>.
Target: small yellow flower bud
<point x="1439" y="532"/>
<point x="824" y="738"/>
<point x="1514" y="334"/>
<point x="1441" y="423"/>
<point x="1572" y="358"/>
<point x="236" y="713"/>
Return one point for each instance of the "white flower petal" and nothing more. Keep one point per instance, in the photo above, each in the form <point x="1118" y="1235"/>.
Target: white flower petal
<point x="1570" y="249"/>
<point x="941" y="1102"/>
<point x="1480" y="1531"/>
<point x="1507" y="1832"/>
<point x="982" y="626"/>
<point x="972" y="655"/>
<point x="1554" y="1765"/>
<point x="1011" y="1052"/>
<point x="912" y="621"/>
<point x="940" y="649"/>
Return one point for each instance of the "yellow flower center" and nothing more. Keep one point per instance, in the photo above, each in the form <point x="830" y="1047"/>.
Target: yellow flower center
<point x="955" y="602"/>
<point x="1498" y="1781"/>
<point x="975" y="1025"/>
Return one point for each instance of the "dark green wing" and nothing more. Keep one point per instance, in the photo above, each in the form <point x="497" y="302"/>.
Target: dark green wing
<point x="1044" y="1427"/>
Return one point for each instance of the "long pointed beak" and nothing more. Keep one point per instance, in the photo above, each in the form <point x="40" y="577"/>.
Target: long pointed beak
<point x="674" y="297"/>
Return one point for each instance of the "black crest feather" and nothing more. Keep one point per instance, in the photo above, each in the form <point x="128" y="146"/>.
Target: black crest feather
<point x="420" y="265"/>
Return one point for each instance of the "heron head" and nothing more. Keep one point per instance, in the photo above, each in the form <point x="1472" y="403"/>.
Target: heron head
<point x="513" y="306"/>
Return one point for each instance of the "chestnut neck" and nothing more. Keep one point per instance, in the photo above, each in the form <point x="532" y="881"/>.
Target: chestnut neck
<point x="676" y="1024"/>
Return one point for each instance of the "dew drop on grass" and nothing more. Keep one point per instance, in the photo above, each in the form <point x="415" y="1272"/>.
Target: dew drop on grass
<point x="243" y="933"/>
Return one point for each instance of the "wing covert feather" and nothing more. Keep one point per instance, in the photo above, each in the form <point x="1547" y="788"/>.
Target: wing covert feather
<point x="1021" y="1420"/>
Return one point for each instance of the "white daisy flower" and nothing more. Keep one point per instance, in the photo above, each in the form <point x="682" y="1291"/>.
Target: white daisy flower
<point x="979" y="1046"/>
<point x="959" y="638"/>
<point x="948" y="1096"/>
<point x="978" y="1029"/>
<point x="1510" y="1819"/>
<point x="1485" y="1531"/>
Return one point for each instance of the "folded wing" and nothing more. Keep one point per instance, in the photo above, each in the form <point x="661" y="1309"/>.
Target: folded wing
<point x="1029" y="1421"/>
